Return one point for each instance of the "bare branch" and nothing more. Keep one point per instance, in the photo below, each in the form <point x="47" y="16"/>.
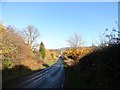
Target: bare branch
<point x="31" y="34"/>
<point x="75" y="41"/>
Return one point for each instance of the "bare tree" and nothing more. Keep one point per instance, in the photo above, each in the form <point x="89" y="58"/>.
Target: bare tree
<point x="31" y="34"/>
<point x="75" y="41"/>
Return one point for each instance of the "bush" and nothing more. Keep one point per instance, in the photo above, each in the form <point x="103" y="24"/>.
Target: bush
<point x="14" y="50"/>
<point x="75" y="53"/>
<point x="100" y="69"/>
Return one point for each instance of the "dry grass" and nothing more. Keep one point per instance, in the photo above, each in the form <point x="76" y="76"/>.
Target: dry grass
<point x="35" y="65"/>
<point x="50" y="62"/>
<point x="32" y="64"/>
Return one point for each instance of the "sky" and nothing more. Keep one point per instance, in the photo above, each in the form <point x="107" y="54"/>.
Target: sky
<point x="57" y="21"/>
<point x="60" y="0"/>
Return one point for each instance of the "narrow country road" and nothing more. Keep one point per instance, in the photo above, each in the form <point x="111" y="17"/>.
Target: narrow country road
<point x="51" y="77"/>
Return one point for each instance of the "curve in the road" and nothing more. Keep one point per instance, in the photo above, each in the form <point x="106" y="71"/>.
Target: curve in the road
<point x="51" y="77"/>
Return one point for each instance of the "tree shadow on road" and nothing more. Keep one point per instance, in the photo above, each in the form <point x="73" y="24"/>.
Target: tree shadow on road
<point x="12" y="75"/>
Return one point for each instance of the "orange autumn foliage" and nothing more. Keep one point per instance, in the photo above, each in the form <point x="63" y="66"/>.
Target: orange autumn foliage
<point x="76" y="53"/>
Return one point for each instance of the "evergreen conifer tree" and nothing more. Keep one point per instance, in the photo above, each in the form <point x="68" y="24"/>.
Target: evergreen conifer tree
<point x="42" y="50"/>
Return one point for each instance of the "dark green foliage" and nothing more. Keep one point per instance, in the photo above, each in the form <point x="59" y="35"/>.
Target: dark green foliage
<point x="101" y="69"/>
<point x="72" y="79"/>
<point x="42" y="50"/>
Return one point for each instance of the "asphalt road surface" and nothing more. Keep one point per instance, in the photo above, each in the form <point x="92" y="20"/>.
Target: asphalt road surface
<point x="51" y="77"/>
